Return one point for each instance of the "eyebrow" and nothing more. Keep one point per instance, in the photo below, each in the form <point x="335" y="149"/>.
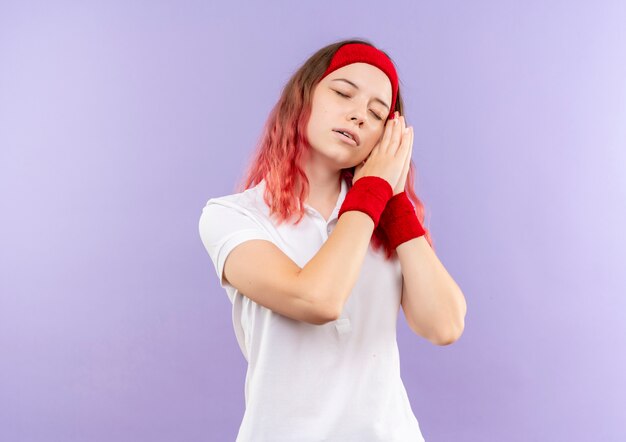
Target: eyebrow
<point x="351" y="83"/>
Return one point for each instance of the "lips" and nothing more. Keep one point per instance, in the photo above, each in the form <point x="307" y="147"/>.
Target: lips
<point x="355" y="137"/>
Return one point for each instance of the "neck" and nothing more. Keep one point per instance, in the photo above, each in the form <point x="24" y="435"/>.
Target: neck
<point x="324" y="185"/>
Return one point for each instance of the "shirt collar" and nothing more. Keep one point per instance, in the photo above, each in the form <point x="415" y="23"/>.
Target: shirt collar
<point x="342" y="196"/>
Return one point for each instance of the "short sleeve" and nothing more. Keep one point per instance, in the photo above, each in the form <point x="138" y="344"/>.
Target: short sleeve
<point x="223" y="226"/>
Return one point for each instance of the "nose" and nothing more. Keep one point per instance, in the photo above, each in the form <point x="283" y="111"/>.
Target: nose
<point x="356" y="116"/>
<point x="358" y="112"/>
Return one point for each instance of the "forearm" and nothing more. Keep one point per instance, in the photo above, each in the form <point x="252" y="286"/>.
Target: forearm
<point x="333" y="271"/>
<point x="432" y="301"/>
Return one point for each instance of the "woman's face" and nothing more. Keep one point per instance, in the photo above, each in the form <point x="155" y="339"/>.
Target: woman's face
<point x="362" y="109"/>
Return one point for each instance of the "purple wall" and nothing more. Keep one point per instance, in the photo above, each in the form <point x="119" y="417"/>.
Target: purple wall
<point x="118" y="121"/>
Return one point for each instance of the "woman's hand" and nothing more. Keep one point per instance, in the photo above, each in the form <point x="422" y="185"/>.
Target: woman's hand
<point x="397" y="141"/>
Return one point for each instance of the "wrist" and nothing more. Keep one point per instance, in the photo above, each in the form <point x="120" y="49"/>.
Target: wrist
<point x="399" y="220"/>
<point x="369" y="194"/>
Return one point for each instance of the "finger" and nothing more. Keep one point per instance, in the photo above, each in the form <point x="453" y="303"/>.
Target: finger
<point x="410" y="150"/>
<point x="396" y="138"/>
<point x="407" y="142"/>
<point x="403" y="132"/>
<point x="384" y="141"/>
<point x="407" y="162"/>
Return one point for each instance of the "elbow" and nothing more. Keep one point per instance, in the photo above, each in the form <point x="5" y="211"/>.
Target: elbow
<point x="322" y="319"/>
<point x="445" y="340"/>
<point x="320" y="309"/>
<point x="324" y="315"/>
<point x="450" y="337"/>
<point x="326" y="309"/>
<point x="329" y="315"/>
<point x="452" y="333"/>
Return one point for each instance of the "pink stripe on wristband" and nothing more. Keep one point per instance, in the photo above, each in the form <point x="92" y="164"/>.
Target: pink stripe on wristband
<point x="369" y="195"/>
<point x="399" y="221"/>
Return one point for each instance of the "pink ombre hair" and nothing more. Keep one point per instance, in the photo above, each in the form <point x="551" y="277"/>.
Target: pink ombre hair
<point x="283" y="148"/>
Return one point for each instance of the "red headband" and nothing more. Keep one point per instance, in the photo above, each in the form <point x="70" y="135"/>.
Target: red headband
<point x="362" y="53"/>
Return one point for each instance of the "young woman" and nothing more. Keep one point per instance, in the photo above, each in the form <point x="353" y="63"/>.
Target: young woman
<point x="321" y="248"/>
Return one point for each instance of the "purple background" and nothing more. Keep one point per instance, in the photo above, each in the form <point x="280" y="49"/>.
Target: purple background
<point x="118" y="121"/>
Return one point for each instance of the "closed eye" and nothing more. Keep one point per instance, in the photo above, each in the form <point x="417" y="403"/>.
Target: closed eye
<point x="347" y="96"/>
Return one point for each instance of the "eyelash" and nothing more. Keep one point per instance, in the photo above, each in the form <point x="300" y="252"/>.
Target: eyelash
<point x="347" y="96"/>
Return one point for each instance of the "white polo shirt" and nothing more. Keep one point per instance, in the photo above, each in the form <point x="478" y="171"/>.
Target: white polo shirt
<point x="336" y="382"/>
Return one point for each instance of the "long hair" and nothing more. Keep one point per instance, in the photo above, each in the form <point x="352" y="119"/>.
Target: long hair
<point x="283" y="149"/>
